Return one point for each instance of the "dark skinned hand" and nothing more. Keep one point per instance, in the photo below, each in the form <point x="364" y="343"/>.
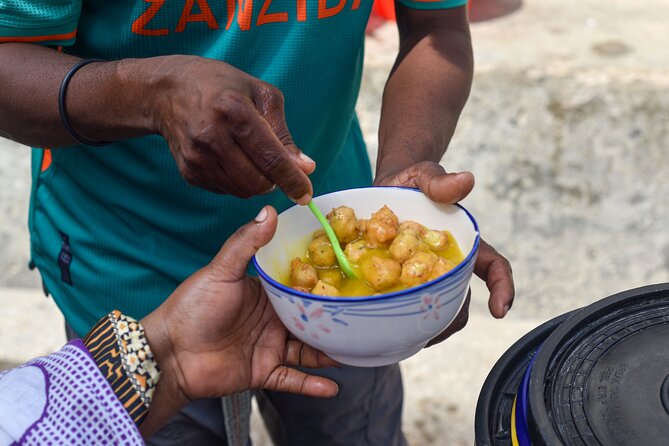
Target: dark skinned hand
<point x="227" y="130"/>
<point x="493" y="268"/>
<point x="218" y="334"/>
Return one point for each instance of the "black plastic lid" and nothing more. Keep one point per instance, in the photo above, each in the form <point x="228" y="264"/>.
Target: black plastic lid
<point x="492" y="425"/>
<point x="602" y="377"/>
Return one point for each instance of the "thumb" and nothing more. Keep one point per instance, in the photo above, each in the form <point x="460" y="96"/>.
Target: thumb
<point x="444" y="187"/>
<point x="231" y="261"/>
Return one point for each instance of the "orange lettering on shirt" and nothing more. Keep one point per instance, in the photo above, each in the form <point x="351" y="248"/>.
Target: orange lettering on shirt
<point x="301" y="10"/>
<point x="139" y="25"/>
<point x="243" y="17"/>
<point x="325" y="12"/>
<point x="46" y="160"/>
<point x="275" y="17"/>
<point x="205" y="15"/>
<point x="231" y="12"/>
<point x="356" y="5"/>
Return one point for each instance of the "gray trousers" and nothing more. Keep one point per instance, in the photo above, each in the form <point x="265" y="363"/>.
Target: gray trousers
<point x="367" y="411"/>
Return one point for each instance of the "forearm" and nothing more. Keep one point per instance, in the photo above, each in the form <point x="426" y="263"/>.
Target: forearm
<point x="105" y="101"/>
<point x="63" y="395"/>
<point x="137" y="360"/>
<point x="425" y="93"/>
<point x="80" y="376"/>
<point x="100" y="386"/>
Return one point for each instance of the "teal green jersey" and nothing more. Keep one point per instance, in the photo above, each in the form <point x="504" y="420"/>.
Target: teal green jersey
<point x="117" y="227"/>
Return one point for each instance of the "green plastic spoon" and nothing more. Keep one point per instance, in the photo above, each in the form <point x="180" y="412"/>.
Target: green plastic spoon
<point x="341" y="257"/>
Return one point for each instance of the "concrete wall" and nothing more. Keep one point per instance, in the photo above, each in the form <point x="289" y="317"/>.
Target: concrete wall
<point x="573" y="179"/>
<point x="14" y="193"/>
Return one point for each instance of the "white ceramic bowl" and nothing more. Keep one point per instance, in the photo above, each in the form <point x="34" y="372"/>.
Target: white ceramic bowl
<point x="373" y="330"/>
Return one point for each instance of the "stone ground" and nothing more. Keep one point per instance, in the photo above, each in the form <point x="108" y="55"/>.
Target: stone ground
<point x="567" y="135"/>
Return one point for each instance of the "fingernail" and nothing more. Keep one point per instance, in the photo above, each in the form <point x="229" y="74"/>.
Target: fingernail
<point x="262" y="215"/>
<point x="505" y="310"/>
<point x="304" y="199"/>
<point x="304" y="157"/>
<point x="270" y="190"/>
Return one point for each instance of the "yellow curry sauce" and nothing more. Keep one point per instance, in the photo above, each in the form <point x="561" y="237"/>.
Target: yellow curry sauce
<point x="360" y="287"/>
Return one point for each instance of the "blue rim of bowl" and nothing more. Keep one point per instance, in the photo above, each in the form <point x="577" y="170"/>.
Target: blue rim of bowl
<point x="451" y="273"/>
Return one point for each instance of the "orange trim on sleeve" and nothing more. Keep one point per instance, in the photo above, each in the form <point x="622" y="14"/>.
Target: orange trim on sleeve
<point x="46" y="160"/>
<point x="65" y="36"/>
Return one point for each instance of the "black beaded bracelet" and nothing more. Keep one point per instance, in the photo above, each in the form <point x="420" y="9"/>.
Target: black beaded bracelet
<point x="61" y="104"/>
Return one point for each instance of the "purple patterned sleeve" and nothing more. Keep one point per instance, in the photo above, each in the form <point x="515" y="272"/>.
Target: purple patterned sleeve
<point x="62" y="398"/>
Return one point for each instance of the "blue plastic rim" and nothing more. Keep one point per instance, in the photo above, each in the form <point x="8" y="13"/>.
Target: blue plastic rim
<point x="522" y="426"/>
<point x="470" y="258"/>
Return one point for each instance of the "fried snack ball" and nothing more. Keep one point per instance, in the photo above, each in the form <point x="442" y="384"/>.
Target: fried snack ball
<point x="324" y="289"/>
<point x="424" y="247"/>
<point x="321" y="252"/>
<point x="441" y="267"/>
<point x="330" y="276"/>
<point x="302" y="289"/>
<point x="381" y="273"/>
<point x="437" y="240"/>
<point x="418" y="268"/>
<point x="386" y="216"/>
<point x="382" y="227"/>
<point x="355" y="250"/>
<point x="344" y="223"/>
<point x="302" y="274"/>
<point x="414" y="226"/>
<point x="405" y="245"/>
<point x="378" y="234"/>
<point x="362" y="225"/>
